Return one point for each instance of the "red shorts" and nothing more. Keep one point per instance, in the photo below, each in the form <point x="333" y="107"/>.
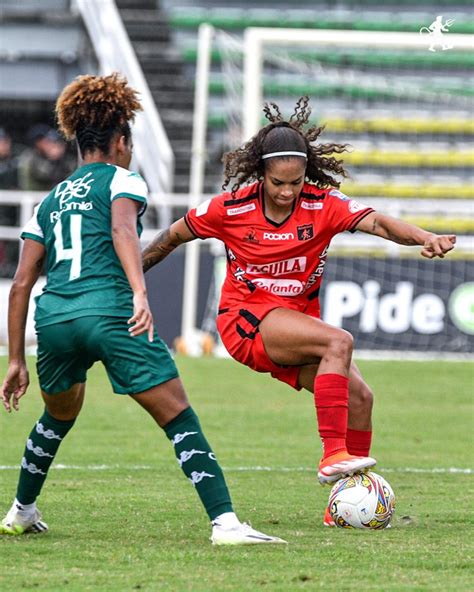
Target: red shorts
<point x="238" y="327"/>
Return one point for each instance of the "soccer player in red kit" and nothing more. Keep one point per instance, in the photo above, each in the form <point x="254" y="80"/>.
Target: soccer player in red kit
<point x="277" y="231"/>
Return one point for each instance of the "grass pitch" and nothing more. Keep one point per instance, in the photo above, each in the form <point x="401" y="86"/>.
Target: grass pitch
<point x="123" y="517"/>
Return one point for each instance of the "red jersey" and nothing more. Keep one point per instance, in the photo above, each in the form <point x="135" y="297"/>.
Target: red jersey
<point x="284" y="259"/>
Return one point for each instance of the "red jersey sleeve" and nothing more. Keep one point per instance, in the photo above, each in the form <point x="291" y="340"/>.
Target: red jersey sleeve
<point x="206" y="220"/>
<point x="344" y="213"/>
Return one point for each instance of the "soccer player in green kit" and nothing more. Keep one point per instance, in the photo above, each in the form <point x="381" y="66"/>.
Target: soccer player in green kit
<point x="94" y="306"/>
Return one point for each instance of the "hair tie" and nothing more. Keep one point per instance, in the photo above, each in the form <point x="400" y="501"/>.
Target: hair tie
<point x="284" y="153"/>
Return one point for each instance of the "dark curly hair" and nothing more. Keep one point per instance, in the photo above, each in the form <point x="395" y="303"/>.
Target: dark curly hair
<point x="92" y="109"/>
<point x="246" y="165"/>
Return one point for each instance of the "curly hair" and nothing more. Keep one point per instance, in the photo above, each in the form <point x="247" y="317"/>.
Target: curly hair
<point x="245" y="164"/>
<point x="91" y="109"/>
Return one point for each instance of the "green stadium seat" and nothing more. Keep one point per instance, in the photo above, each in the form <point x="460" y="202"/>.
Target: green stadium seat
<point x="238" y="19"/>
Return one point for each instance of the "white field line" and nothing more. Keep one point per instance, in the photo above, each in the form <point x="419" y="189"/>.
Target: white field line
<point x="61" y="467"/>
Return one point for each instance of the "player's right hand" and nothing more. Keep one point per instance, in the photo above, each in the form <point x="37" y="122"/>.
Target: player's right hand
<point x="437" y="245"/>
<point x="14" y="386"/>
<point x="142" y="320"/>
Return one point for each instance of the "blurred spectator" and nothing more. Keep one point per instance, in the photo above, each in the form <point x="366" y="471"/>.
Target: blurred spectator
<point x="8" y="162"/>
<point x="47" y="162"/>
<point x="8" y="180"/>
<point x="8" y="213"/>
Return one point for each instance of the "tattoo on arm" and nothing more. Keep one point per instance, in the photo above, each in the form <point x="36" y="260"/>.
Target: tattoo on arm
<point x="402" y="238"/>
<point x="159" y="248"/>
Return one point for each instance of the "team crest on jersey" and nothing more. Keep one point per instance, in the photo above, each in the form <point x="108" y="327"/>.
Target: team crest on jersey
<point x="305" y="232"/>
<point x="251" y="236"/>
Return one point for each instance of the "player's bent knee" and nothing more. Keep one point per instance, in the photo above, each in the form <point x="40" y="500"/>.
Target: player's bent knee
<point x="341" y="344"/>
<point x="164" y="401"/>
<point x="361" y="396"/>
<point x="67" y="405"/>
<point x="366" y="397"/>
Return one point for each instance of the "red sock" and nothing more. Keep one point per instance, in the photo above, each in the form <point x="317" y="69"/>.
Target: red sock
<point x="331" y="396"/>
<point x="358" y="442"/>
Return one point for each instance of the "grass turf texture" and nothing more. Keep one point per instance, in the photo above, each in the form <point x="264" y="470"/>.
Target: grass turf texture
<point x="136" y="524"/>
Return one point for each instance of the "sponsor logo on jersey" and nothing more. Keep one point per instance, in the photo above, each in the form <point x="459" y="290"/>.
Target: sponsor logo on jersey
<point x="251" y="236"/>
<point x="318" y="272"/>
<point x="275" y="236"/>
<point x="79" y="188"/>
<point x="276" y="268"/>
<point x="67" y="190"/>
<point x="305" y="232"/>
<point x="80" y="206"/>
<point x="312" y="205"/>
<point x="241" y="209"/>
<point x="202" y="208"/>
<point x="355" y="206"/>
<point x="339" y="195"/>
<point x="280" y="287"/>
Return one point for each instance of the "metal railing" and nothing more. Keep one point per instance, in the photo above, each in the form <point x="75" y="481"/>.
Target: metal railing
<point x="115" y="53"/>
<point x="177" y="203"/>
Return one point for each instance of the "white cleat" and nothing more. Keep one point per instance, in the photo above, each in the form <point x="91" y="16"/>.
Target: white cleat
<point x="15" y="523"/>
<point x="241" y="534"/>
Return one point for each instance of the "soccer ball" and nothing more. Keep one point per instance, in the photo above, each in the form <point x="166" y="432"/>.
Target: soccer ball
<point x="364" y="500"/>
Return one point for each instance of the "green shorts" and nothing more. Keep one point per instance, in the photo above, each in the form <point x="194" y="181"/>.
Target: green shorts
<point x="67" y="350"/>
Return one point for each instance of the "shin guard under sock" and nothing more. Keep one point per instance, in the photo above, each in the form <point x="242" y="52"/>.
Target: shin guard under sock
<point x="331" y="397"/>
<point x="358" y="442"/>
<point x="41" y="448"/>
<point x="198" y="463"/>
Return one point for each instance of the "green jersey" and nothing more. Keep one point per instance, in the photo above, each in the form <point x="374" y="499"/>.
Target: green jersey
<point x="84" y="274"/>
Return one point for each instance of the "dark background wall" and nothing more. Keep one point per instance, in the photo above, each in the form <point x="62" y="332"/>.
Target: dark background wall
<point x="404" y="304"/>
<point x="165" y="289"/>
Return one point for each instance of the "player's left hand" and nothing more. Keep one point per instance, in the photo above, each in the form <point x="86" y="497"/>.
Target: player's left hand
<point x="14" y="386"/>
<point x="437" y="245"/>
<point x="142" y="320"/>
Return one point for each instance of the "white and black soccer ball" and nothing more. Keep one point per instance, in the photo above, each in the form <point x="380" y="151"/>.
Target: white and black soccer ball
<point x="365" y="500"/>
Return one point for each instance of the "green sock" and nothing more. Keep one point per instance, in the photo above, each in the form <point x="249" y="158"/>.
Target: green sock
<point x="41" y="448"/>
<point x="198" y="462"/>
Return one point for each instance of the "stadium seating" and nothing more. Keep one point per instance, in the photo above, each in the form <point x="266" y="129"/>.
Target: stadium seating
<point x="400" y="151"/>
<point x="164" y="69"/>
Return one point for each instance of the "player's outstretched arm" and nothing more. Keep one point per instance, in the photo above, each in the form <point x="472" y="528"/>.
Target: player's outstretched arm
<point x="29" y="268"/>
<point x="165" y="242"/>
<point x="434" y="245"/>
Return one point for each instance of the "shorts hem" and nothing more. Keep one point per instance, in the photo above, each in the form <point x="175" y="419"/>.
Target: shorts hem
<point x="54" y="392"/>
<point x="145" y="386"/>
